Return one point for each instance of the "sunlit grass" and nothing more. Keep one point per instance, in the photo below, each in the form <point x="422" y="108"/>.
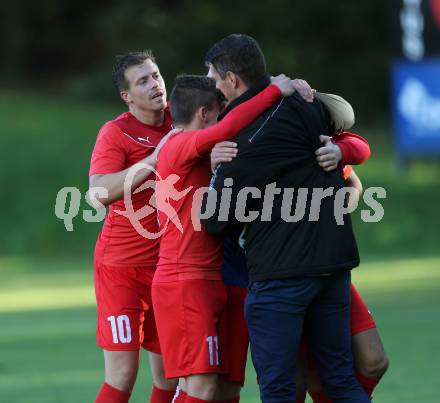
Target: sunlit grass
<point x="399" y="275"/>
<point x="47" y="337"/>
<point x="37" y="379"/>
<point x="46" y="298"/>
<point x="39" y="286"/>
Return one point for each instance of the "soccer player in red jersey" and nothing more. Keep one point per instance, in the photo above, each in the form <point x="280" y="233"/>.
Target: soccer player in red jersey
<point x="124" y="260"/>
<point x="189" y="296"/>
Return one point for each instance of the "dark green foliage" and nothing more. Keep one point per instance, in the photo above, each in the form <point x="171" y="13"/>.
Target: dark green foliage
<point x="341" y="46"/>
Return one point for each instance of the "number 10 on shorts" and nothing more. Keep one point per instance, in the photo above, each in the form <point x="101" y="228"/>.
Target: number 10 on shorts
<point x="213" y="344"/>
<point x="121" y="330"/>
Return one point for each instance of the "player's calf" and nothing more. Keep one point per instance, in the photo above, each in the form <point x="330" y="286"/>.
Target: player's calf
<point x="369" y="357"/>
<point x="369" y="354"/>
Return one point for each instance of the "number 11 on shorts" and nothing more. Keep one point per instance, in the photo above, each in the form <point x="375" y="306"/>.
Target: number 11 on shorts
<point x="213" y="340"/>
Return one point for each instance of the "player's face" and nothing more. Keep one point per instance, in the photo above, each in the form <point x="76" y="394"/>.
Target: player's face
<point x="223" y="85"/>
<point x="146" y="87"/>
<point x="211" y="115"/>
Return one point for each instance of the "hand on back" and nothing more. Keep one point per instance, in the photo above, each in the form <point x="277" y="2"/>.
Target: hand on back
<point x="289" y="86"/>
<point x="284" y="83"/>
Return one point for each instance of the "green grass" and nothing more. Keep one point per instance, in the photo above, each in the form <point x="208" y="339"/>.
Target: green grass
<point x="47" y="322"/>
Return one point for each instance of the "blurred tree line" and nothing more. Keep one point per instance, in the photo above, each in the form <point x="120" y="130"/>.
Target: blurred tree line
<point x="66" y="49"/>
<point x="69" y="46"/>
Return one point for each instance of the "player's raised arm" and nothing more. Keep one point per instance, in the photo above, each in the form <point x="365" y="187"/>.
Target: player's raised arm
<point x="341" y="113"/>
<point x="244" y="114"/>
<point x="355" y="149"/>
<point x="195" y="104"/>
<point x="343" y="147"/>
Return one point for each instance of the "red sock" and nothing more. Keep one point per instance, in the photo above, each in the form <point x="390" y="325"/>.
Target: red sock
<point x="179" y="396"/>
<point x="109" y="394"/>
<point x="191" y="399"/>
<point x="320" y="397"/>
<point x="161" y="396"/>
<point x="367" y="383"/>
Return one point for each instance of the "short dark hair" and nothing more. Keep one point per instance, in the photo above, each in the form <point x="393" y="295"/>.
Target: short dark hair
<point x="123" y="62"/>
<point x="191" y="92"/>
<point x="239" y="54"/>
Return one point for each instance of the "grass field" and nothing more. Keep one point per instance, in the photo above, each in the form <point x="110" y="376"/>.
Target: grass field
<point x="47" y="322"/>
<point x="47" y="315"/>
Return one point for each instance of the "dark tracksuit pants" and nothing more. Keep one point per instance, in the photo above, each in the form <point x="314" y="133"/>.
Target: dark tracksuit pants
<point x="277" y="311"/>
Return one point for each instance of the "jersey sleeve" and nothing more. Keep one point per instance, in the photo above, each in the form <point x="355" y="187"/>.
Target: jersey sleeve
<point x="355" y="149"/>
<point x="341" y="113"/>
<point x="108" y="155"/>
<point x="193" y="145"/>
<point x="240" y="117"/>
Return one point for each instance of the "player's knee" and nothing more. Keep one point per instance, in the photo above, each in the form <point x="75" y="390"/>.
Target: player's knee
<point x="202" y="386"/>
<point x="165" y="384"/>
<point x="382" y="366"/>
<point x="375" y="366"/>
<point x="158" y="373"/>
<point x="123" y="377"/>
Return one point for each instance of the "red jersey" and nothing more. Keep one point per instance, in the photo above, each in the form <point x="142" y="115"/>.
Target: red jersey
<point x="354" y="149"/>
<point x="121" y="143"/>
<point x="193" y="253"/>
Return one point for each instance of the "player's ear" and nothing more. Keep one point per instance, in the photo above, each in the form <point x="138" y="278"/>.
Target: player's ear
<point x="232" y="78"/>
<point x="125" y="96"/>
<point x="202" y="115"/>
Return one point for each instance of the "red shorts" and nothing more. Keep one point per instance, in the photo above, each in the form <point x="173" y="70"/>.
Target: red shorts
<point x="125" y="311"/>
<point x="360" y="316"/>
<point x="201" y="328"/>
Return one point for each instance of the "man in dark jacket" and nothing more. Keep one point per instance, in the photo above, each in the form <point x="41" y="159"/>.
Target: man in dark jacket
<point x="298" y="262"/>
